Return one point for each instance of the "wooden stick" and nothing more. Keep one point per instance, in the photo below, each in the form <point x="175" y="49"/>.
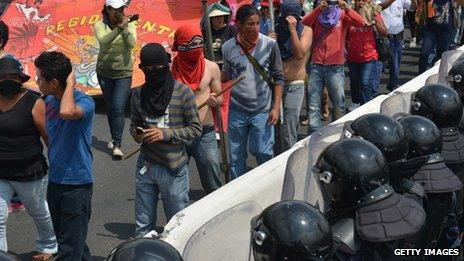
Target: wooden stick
<point x="239" y="79"/>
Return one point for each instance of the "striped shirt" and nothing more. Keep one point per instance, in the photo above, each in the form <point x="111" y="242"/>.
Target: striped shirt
<point x="179" y="124"/>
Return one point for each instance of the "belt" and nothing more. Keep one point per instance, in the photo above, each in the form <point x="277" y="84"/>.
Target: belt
<point x="207" y="129"/>
<point x="295" y="82"/>
<point x="397" y="37"/>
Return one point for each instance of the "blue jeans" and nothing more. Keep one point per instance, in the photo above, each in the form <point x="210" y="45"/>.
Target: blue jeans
<point x="32" y="195"/>
<point x="205" y="151"/>
<point x="431" y="39"/>
<point x="115" y="93"/>
<point x="249" y="131"/>
<point x="70" y="207"/>
<point x="363" y="81"/>
<point x="396" y="48"/>
<point x="331" y="76"/>
<point x="152" y="179"/>
<point x="292" y="101"/>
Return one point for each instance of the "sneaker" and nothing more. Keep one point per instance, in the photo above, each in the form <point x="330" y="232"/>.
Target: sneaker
<point x="117" y="153"/>
<point x="413" y="43"/>
<point x="353" y="106"/>
<point x="15" y="207"/>
<point x="110" y="145"/>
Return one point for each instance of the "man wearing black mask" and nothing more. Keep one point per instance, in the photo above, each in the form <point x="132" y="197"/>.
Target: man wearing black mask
<point x="164" y="117"/>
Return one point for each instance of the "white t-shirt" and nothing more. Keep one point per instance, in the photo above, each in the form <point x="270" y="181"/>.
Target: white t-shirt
<point x="393" y="15"/>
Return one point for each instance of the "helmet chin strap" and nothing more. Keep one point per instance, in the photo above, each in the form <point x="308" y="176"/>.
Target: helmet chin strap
<point x="377" y="194"/>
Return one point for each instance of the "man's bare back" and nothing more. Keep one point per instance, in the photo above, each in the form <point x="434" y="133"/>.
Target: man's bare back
<point x="210" y="83"/>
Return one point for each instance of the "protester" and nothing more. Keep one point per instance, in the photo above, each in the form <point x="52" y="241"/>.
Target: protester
<point x="439" y="29"/>
<point x="69" y="115"/>
<point x="164" y="117"/>
<point x="362" y="53"/>
<point x="221" y="29"/>
<point x="392" y="14"/>
<point x="294" y="40"/>
<point x="255" y="103"/>
<point x="265" y="21"/>
<point x="23" y="168"/>
<point x="15" y="204"/>
<point x="116" y="35"/>
<point x="204" y="78"/>
<point x="330" y="24"/>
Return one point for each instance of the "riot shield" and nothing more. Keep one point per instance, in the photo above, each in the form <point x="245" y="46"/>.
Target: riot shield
<point x="398" y="103"/>
<point x="432" y="79"/>
<point x="299" y="181"/>
<point x="448" y="59"/>
<point x="224" y="237"/>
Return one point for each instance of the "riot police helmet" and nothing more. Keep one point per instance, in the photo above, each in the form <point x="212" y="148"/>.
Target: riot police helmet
<point x="439" y="103"/>
<point x="348" y="170"/>
<point x="384" y="132"/>
<point x="456" y="76"/>
<point x="144" y="249"/>
<point x="424" y="136"/>
<point x="291" y="230"/>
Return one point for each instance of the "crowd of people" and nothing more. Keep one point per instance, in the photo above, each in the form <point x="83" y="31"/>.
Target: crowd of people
<point x="295" y="57"/>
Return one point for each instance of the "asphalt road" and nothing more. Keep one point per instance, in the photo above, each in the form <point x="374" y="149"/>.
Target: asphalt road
<point x="112" y="219"/>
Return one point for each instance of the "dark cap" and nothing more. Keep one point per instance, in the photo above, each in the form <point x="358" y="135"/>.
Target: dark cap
<point x="154" y="54"/>
<point x="10" y="65"/>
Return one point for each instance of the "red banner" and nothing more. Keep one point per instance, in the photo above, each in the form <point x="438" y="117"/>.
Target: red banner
<point x="67" y="26"/>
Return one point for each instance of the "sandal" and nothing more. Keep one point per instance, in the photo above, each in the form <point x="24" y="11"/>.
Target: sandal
<point x="42" y="257"/>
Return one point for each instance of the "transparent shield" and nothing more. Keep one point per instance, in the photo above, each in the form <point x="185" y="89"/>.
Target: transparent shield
<point x="299" y="181"/>
<point x="432" y="79"/>
<point x="224" y="237"/>
<point x="448" y="59"/>
<point x="398" y="103"/>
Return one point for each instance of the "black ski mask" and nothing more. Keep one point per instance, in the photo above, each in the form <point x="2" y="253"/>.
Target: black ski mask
<point x="9" y="88"/>
<point x="157" y="90"/>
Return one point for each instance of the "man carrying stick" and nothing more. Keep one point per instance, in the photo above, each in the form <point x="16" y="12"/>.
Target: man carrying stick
<point x="204" y="78"/>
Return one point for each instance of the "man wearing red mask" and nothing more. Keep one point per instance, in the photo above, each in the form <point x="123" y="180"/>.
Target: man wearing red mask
<point x="204" y="77"/>
<point x="255" y="101"/>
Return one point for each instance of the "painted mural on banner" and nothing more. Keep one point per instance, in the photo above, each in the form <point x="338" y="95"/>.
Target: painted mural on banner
<point x="67" y="26"/>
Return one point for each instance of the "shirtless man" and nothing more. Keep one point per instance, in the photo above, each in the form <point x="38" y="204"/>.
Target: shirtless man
<point x="204" y="78"/>
<point x="294" y="41"/>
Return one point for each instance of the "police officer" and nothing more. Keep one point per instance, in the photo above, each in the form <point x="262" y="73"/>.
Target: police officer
<point x="144" y="249"/>
<point x="367" y="216"/>
<point x="291" y="230"/>
<point x="440" y="183"/>
<point x="443" y="106"/>
<point x="388" y="135"/>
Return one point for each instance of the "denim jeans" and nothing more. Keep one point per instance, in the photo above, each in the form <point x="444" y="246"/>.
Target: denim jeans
<point x="115" y="93"/>
<point x="32" y="195"/>
<point x="292" y="101"/>
<point x="205" y="151"/>
<point x="70" y="207"/>
<point x="363" y="81"/>
<point x="331" y="76"/>
<point x="152" y="179"/>
<point x="396" y="48"/>
<point x="249" y="131"/>
<point x="441" y="40"/>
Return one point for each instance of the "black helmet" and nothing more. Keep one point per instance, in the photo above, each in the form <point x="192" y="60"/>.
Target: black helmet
<point x="456" y="76"/>
<point x="384" y="132"/>
<point x="349" y="170"/>
<point x="439" y="103"/>
<point x="144" y="249"/>
<point x="424" y="136"/>
<point x="4" y="256"/>
<point x="291" y="230"/>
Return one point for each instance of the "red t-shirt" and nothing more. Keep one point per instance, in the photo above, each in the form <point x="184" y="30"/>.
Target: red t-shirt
<point x="330" y="49"/>
<point x="360" y="44"/>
